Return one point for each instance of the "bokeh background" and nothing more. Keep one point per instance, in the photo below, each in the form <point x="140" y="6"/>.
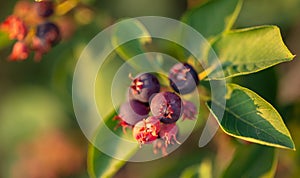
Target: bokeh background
<point x="39" y="135"/>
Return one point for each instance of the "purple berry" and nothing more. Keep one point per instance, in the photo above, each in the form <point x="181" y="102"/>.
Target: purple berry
<point x="133" y="111"/>
<point x="44" y="8"/>
<point x="143" y="87"/>
<point x="183" y="78"/>
<point x="167" y="106"/>
<point x="48" y="32"/>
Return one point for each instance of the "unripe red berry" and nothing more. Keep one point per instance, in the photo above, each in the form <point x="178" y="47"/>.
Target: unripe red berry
<point x="146" y="131"/>
<point x="15" y="27"/>
<point x="20" y="51"/>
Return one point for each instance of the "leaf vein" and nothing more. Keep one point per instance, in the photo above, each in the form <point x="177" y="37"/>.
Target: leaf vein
<point x="257" y="129"/>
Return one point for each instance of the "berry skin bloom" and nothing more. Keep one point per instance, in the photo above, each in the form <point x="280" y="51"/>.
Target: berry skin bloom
<point x="168" y="133"/>
<point x="133" y="111"/>
<point x="20" y="52"/>
<point x="183" y="78"/>
<point x="40" y="47"/>
<point x="44" y="8"/>
<point x="47" y="35"/>
<point x="146" y="131"/>
<point x="143" y="87"/>
<point x="189" y="110"/>
<point x="166" y="106"/>
<point x="15" y="27"/>
<point x="48" y="32"/>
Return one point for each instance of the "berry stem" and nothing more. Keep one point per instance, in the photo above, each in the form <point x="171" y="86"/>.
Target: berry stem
<point x="206" y="72"/>
<point x="66" y="6"/>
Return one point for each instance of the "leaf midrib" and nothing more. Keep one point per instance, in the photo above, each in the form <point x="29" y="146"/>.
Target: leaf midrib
<point x="246" y="122"/>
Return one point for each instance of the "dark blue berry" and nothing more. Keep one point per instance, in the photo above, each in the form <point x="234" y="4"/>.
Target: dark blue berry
<point x="49" y="32"/>
<point x="143" y="87"/>
<point x="44" y="8"/>
<point x="183" y="78"/>
<point x="167" y="106"/>
<point x="133" y="111"/>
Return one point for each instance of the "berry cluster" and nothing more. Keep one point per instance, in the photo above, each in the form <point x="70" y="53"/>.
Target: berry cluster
<point x="29" y="25"/>
<point x="151" y="113"/>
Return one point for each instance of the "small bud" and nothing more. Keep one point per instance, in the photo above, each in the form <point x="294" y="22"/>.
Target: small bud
<point x="20" y="51"/>
<point x="189" y="110"/>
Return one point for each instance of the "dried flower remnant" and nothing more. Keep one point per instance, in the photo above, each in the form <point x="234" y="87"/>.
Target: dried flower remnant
<point x="169" y="133"/>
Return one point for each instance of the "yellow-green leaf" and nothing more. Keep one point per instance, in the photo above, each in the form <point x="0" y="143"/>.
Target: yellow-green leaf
<point x="134" y="30"/>
<point x="102" y="165"/>
<point x="249" y="117"/>
<point x="248" y="50"/>
<point x="4" y="40"/>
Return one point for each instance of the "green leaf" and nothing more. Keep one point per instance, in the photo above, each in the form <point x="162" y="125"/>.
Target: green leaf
<point x="132" y="29"/>
<point x="202" y="170"/>
<point x="102" y="165"/>
<point x="249" y="117"/>
<point x="248" y="50"/>
<point x="4" y="40"/>
<point x="252" y="161"/>
<point x="214" y="17"/>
